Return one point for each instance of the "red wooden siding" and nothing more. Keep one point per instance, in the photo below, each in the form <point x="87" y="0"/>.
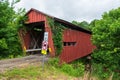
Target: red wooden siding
<point x="27" y="39"/>
<point x="82" y="48"/>
<point x="34" y="16"/>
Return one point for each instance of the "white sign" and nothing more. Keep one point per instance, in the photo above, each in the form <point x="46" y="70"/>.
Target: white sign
<point x="46" y="36"/>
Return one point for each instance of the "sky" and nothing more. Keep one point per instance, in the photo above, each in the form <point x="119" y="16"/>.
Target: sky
<point x="78" y="10"/>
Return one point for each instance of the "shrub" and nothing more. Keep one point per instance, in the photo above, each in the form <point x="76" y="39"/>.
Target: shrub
<point x="74" y="69"/>
<point x="54" y="62"/>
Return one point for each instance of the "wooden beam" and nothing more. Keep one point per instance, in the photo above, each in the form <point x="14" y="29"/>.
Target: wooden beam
<point x="32" y="50"/>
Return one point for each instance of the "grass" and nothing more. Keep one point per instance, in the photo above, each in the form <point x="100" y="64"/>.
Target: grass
<point x="35" y="73"/>
<point x="11" y="57"/>
<point x="51" y="71"/>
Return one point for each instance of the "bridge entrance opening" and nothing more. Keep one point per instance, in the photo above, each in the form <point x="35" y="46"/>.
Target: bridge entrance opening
<point x="33" y="36"/>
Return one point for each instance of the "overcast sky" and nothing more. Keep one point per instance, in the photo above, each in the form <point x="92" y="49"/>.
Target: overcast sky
<point x="79" y="10"/>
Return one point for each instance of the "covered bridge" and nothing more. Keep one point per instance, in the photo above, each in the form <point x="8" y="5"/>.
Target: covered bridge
<point x="76" y="41"/>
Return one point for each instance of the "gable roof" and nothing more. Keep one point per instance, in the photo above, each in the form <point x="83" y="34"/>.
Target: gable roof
<point x="63" y="22"/>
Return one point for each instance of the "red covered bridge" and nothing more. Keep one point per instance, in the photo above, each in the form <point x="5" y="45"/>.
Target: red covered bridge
<point x="76" y="40"/>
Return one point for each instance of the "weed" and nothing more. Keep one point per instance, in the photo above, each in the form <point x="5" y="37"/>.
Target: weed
<point x="34" y="73"/>
<point x="74" y="69"/>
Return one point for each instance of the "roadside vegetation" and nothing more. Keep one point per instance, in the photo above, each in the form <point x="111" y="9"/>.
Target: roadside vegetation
<point x="51" y="71"/>
<point x="35" y="73"/>
<point x="106" y="38"/>
<point x="10" y="21"/>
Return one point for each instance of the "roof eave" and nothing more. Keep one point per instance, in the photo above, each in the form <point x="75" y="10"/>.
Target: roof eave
<point x="70" y="25"/>
<point x="32" y="9"/>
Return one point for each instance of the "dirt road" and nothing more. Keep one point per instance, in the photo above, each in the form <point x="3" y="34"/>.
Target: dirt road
<point x="21" y="62"/>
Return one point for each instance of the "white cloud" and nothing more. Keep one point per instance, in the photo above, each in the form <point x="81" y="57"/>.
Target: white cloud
<point x="72" y="9"/>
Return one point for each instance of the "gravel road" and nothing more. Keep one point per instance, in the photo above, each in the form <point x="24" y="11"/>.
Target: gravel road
<point x="21" y="62"/>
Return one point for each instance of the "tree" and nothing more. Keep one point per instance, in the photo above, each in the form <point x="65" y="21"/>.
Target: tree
<point x="92" y="24"/>
<point x="82" y="24"/>
<point x="106" y="37"/>
<point x="9" y="24"/>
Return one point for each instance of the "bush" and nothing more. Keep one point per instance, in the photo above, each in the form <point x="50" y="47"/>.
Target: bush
<point x="105" y="35"/>
<point x="103" y="73"/>
<point x="99" y="71"/>
<point x="9" y="24"/>
<point x="54" y="62"/>
<point x="74" y="69"/>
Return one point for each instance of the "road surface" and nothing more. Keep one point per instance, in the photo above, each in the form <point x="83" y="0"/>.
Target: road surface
<point x="21" y="62"/>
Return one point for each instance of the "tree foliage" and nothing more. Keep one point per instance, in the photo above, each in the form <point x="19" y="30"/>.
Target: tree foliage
<point x="82" y="24"/>
<point x="9" y="24"/>
<point x="106" y="37"/>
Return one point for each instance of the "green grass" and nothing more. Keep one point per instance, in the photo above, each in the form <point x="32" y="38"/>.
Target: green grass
<point x="34" y="73"/>
<point x="11" y="57"/>
<point x="52" y="71"/>
<point x="75" y="69"/>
